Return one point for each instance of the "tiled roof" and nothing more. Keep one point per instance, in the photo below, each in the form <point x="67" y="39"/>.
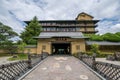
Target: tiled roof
<point x="61" y="34"/>
<point x="102" y="43"/>
<point x="30" y="46"/>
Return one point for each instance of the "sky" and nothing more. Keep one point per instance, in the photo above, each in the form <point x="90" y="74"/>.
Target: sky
<point x="14" y="12"/>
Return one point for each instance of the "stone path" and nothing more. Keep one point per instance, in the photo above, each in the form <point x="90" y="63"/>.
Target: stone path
<point x="61" y="68"/>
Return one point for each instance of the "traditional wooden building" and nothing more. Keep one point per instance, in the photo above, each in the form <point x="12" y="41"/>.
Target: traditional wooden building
<point x="65" y="36"/>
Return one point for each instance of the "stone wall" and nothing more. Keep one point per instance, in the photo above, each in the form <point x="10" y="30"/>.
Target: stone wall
<point x="83" y="48"/>
<point x="32" y="48"/>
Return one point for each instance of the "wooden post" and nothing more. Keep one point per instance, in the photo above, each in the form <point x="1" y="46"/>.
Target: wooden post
<point x="29" y="60"/>
<point x="80" y="56"/>
<point x="94" y="62"/>
<point x="41" y="56"/>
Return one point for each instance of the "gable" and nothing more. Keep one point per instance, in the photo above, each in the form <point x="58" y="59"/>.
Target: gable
<point x="84" y="16"/>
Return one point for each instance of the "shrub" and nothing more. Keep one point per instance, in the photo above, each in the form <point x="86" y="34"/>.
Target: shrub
<point x="95" y="48"/>
<point x="102" y="55"/>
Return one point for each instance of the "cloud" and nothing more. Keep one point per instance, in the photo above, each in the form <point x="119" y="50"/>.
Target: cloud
<point x="115" y="28"/>
<point x="110" y="26"/>
<point x="14" y="12"/>
<point x="7" y="18"/>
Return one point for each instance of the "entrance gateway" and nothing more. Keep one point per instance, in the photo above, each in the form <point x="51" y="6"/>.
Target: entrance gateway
<point x="61" y="42"/>
<point x="65" y="36"/>
<point x="61" y="48"/>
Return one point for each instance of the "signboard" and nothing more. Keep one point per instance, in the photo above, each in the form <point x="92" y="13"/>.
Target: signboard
<point x="61" y="39"/>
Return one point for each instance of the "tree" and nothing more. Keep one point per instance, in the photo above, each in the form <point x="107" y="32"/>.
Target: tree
<point x="96" y="38"/>
<point x="31" y="30"/>
<point x="6" y="33"/>
<point x="111" y="37"/>
<point x="118" y="33"/>
<point x="21" y="47"/>
<point x="106" y="37"/>
<point x="95" y="48"/>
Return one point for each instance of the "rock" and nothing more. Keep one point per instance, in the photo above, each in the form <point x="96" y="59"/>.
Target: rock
<point x="15" y="56"/>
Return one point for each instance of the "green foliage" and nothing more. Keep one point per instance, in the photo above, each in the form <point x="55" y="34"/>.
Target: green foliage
<point x="118" y="33"/>
<point x="75" y="55"/>
<point x="6" y="33"/>
<point x="106" y="37"/>
<point x="9" y="46"/>
<point x="95" y="48"/>
<point x="96" y="38"/>
<point x="31" y="30"/>
<point x="21" y="47"/>
<point x="111" y="37"/>
<point x="19" y="57"/>
<point x="102" y="55"/>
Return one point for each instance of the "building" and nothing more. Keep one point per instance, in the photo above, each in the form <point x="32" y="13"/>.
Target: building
<point x="65" y="36"/>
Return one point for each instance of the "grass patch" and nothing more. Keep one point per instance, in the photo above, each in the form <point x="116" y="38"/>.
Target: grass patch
<point x="18" y="57"/>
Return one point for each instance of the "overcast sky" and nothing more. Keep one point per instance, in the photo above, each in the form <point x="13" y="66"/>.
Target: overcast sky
<point x="14" y="12"/>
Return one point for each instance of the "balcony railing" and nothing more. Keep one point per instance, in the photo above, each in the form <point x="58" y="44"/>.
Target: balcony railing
<point x="69" y="25"/>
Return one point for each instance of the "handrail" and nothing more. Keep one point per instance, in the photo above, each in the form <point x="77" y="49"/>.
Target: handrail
<point x="12" y="71"/>
<point x="107" y="70"/>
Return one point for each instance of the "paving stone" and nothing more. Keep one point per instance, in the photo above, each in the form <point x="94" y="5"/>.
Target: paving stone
<point x="69" y="69"/>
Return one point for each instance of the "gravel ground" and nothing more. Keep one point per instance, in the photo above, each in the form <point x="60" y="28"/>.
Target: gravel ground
<point x="3" y="60"/>
<point x="61" y="68"/>
<point x="108" y="61"/>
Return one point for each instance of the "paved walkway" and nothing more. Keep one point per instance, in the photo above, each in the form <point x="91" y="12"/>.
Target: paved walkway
<point x="61" y="68"/>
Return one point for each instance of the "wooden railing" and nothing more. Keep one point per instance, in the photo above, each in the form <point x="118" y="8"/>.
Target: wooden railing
<point x="87" y="60"/>
<point x="114" y="57"/>
<point x="107" y="70"/>
<point x="13" y="71"/>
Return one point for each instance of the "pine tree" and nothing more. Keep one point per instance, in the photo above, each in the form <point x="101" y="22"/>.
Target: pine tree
<point x="6" y="33"/>
<point x="31" y="30"/>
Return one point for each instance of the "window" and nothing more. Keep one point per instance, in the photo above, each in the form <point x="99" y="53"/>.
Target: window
<point x="77" y="29"/>
<point x="48" y="29"/>
<point x="43" y="47"/>
<point x="83" y="15"/>
<point x="77" y="47"/>
<point x="44" y="29"/>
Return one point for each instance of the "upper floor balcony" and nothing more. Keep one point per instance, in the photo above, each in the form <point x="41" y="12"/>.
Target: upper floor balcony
<point x="69" y="25"/>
